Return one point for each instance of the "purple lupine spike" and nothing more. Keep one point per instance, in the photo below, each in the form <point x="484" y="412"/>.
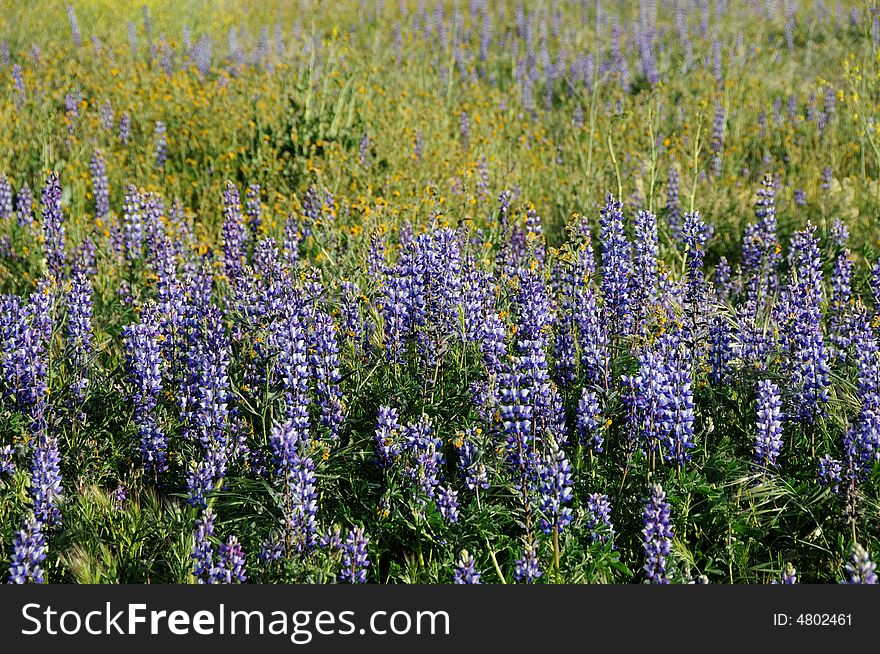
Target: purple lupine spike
<point x="254" y="209"/>
<point x="470" y="464"/>
<point x="18" y="84"/>
<point x="720" y="350"/>
<point x="695" y="234"/>
<point x="125" y="128"/>
<point x="599" y="518"/>
<point x="424" y="459"/>
<point x="25" y="206"/>
<point x="830" y="473"/>
<point x="202" y="552"/>
<point x="464" y="129"/>
<point x="860" y="569"/>
<point x="376" y="265"/>
<point x="100" y="190"/>
<point x="205" y="404"/>
<point x="160" y="151"/>
<point x="761" y="251"/>
<point x="7" y="460"/>
<point x="788" y="576"/>
<point x="296" y="470"/>
<point x="657" y="536"/>
<point x="53" y="227"/>
<point x="230" y="564"/>
<point x="616" y="267"/>
<point x="325" y="368"/>
<point x="447" y="503"/>
<point x="528" y="568"/>
<point x="46" y="489"/>
<point x="107" y="117"/>
<point x="235" y="233"/>
<point x="388" y="439"/>
<point x="768" y="441"/>
<point x="79" y="330"/>
<point x="28" y="552"/>
<point x="555" y="488"/>
<point x="724" y="286"/>
<point x="5" y="198"/>
<point x="145" y="364"/>
<point x="465" y="570"/>
<point x="809" y="362"/>
<point x="355" y="559"/>
<point x="645" y="277"/>
<point x="133" y="223"/>
<point x="590" y="423"/>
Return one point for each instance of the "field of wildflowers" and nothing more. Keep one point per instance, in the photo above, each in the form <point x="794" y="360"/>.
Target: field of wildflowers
<point x="435" y="292"/>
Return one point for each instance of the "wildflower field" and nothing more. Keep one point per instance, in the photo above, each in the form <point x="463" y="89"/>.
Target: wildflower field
<point x="435" y="292"/>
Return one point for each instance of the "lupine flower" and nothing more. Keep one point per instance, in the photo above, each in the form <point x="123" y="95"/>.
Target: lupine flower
<point x="355" y="559"/>
<point x="144" y="364"/>
<point x="125" y="128"/>
<point x="106" y="115"/>
<point x="761" y="252"/>
<point x="74" y="26"/>
<point x="234" y="233"/>
<point x="53" y="227"/>
<point x="657" y="536"/>
<point x="79" y="329"/>
<point x="325" y="367"/>
<point x="18" y="84"/>
<point x="447" y="503"/>
<point x="675" y="400"/>
<point x="717" y="143"/>
<point x="230" y="564"/>
<point x="720" y="350"/>
<point x="645" y="269"/>
<point x="830" y="473"/>
<point x="673" y="212"/>
<point x="554" y="487"/>
<point x="388" y="438"/>
<point x="296" y="472"/>
<point x="768" y="441"/>
<point x="694" y="232"/>
<point x="254" y="208"/>
<point x="45" y="489"/>
<point x="469" y="464"/>
<point x="5" y="198"/>
<point x="160" y="152"/>
<point x="810" y="367"/>
<point x="464" y="128"/>
<point x="204" y="402"/>
<point x="425" y="458"/>
<point x="527" y="567"/>
<point x="599" y="518"/>
<point x="99" y="185"/>
<point x="590" y="424"/>
<point x="202" y="553"/>
<point x="465" y="571"/>
<point x="28" y="552"/>
<point x="860" y="568"/>
<point x="7" y="462"/>
<point x="616" y="268"/>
